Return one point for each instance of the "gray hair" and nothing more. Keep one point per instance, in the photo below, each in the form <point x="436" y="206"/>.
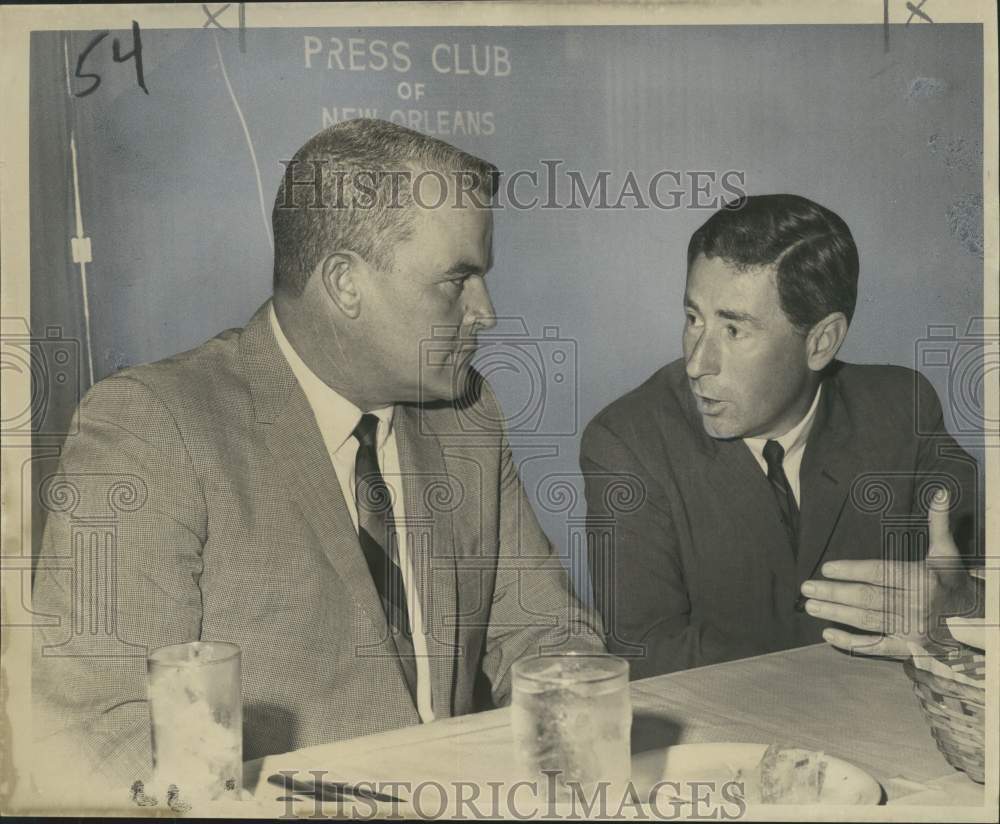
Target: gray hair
<point x="350" y="187"/>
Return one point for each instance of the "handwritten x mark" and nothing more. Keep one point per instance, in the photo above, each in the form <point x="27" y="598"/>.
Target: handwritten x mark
<point x="917" y="11"/>
<point x="213" y="17"/>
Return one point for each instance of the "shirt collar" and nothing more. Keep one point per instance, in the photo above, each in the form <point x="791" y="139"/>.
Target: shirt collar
<point x="794" y="438"/>
<point x="336" y="415"/>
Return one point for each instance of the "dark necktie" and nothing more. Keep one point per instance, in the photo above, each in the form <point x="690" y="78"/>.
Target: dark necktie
<point x="377" y="533"/>
<point x="774" y="454"/>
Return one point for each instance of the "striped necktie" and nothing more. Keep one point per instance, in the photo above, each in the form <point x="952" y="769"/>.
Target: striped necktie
<point x="377" y="533"/>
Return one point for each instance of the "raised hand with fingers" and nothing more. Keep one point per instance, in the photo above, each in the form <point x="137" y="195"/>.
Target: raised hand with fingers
<point x="897" y="604"/>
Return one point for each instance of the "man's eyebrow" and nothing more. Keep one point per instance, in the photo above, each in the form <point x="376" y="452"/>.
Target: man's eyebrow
<point x="691" y="304"/>
<point x="463" y="268"/>
<point x="739" y="317"/>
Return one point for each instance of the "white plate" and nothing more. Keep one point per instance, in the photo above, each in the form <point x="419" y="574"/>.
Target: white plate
<point x="843" y="784"/>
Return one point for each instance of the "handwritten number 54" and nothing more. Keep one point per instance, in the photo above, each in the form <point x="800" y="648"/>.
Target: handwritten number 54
<point x="117" y="56"/>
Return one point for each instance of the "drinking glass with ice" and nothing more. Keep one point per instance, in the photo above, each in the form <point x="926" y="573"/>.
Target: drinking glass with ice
<point x="571" y="717"/>
<point x="196" y="710"/>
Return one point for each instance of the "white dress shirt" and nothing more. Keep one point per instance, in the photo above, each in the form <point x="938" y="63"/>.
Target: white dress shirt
<point x="337" y="417"/>
<point x="794" y="444"/>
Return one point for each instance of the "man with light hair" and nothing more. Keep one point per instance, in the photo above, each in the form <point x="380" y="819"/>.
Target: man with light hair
<point x="315" y="487"/>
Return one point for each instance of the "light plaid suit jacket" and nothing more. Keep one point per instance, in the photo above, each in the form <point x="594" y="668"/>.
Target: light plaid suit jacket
<point x="197" y="501"/>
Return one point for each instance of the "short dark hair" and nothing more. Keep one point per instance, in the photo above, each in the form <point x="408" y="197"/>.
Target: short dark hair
<point x="811" y="247"/>
<point x="363" y="206"/>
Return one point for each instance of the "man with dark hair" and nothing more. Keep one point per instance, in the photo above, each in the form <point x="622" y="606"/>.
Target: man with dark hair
<point x="757" y="456"/>
<point x="319" y="487"/>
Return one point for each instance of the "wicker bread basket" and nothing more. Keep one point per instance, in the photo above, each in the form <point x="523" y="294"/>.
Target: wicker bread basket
<point x="956" y="714"/>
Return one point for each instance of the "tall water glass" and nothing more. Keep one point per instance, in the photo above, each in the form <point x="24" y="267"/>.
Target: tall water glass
<point x="571" y="718"/>
<point x="196" y="710"/>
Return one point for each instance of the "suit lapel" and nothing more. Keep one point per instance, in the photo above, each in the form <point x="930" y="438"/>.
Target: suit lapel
<point x="301" y="458"/>
<point x="829" y="466"/>
<point x="292" y="436"/>
<point x="833" y="459"/>
<point x="427" y="489"/>
<point x="740" y="482"/>
<point x="737" y="480"/>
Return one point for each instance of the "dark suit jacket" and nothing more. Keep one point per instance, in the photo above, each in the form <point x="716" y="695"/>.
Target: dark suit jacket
<point x="692" y="565"/>
<point x="198" y="501"/>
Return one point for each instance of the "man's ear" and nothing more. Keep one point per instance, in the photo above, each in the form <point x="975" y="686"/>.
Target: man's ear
<point x="339" y="277"/>
<point x="824" y="340"/>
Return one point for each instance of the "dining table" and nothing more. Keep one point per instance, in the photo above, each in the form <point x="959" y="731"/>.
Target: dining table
<point x="858" y="709"/>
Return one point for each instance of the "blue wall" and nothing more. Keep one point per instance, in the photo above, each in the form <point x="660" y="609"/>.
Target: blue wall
<point x="889" y="139"/>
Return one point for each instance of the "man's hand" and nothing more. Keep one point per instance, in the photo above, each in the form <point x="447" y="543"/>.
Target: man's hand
<point x="900" y="602"/>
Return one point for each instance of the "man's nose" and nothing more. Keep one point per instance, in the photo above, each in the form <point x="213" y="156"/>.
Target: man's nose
<point x="479" y="307"/>
<point x="702" y="356"/>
